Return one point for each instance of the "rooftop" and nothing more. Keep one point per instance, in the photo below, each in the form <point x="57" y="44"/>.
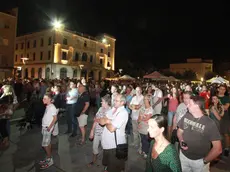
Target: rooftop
<point x="84" y="35"/>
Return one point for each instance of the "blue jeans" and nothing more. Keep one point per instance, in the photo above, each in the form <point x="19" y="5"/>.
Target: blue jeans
<point x="98" y="102"/>
<point x="71" y="119"/>
<point x="145" y="143"/>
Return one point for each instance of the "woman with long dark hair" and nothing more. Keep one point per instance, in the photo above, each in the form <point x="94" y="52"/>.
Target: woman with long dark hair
<point x="216" y="110"/>
<point x="162" y="156"/>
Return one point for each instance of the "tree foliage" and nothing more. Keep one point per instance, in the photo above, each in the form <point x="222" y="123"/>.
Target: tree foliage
<point x="189" y="75"/>
<point x="208" y="75"/>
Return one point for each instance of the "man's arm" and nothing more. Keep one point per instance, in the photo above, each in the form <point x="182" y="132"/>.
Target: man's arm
<point x="180" y="134"/>
<point x="226" y="106"/>
<point x="85" y="108"/>
<point x="92" y="130"/>
<point x="158" y="101"/>
<point x="107" y="122"/>
<point x="214" y="152"/>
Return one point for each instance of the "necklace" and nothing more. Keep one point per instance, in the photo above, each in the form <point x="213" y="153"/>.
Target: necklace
<point x="155" y="154"/>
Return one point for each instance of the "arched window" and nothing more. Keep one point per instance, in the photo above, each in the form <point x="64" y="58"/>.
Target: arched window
<point x="26" y="73"/>
<point x="75" y="73"/>
<point x="47" y="73"/>
<point x="32" y="73"/>
<point x="76" y="57"/>
<point x="99" y="75"/>
<point x="91" y="75"/>
<point x="91" y="58"/>
<point x="84" y="57"/>
<point x="40" y="72"/>
<point x="83" y="73"/>
<point x="63" y="73"/>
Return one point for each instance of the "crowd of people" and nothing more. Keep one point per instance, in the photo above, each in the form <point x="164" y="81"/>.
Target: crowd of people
<point x="173" y="126"/>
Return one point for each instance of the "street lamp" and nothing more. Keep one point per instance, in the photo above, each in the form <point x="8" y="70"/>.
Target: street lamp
<point x="57" y="24"/>
<point x="104" y="40"/>
<point x="81" y="66"/>
<point x="24" y="59"/>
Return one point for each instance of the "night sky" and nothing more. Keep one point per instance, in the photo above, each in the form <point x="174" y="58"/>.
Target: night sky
<point x="148" y="33"/>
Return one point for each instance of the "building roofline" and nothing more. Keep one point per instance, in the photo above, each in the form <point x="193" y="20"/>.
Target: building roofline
<point x="110" y="36"/>
<point x="86" y="36"/>
<point x="30" y="33"/>
<point x="2" y="12"/>
<point x="190" y="63"/>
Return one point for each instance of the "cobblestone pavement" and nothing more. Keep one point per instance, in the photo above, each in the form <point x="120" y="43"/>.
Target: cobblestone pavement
<point x="25" y="151"/>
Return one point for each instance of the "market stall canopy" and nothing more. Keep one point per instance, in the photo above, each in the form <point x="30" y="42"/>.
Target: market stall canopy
<point x="172" y="78"/>
<point x="126" y="77"/>
<point x="218" y="80"/>
<point x="112" y="79"/>
<point x="156" y="76"/>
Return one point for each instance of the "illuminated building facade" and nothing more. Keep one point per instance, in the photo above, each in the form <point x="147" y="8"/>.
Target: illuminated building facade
<point x="8" y="27"/>
<point x="59" y="54"/>
<point x="197" y="65"/>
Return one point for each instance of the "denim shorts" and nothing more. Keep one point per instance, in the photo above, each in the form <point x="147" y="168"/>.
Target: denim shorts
<point x="170" y="118"/>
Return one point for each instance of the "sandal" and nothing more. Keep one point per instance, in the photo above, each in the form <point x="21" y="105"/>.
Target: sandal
<point x="90" y="164"/>
<point x="42" y="162"/>
<point x="47" y="164"/>
<point x="81" y="143"/>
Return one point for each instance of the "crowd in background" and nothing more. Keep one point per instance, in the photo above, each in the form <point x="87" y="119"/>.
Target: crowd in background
<point x="184" y="124"/>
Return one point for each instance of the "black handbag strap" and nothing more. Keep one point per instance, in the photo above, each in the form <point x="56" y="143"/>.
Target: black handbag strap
<point x="115" y="134"/>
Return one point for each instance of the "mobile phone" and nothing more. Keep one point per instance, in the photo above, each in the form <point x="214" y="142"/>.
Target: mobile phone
<point x="184" y="144"/>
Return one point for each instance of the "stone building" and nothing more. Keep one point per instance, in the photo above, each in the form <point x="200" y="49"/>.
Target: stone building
<point x="8" y="27"/>
<point x="62" y="53"/>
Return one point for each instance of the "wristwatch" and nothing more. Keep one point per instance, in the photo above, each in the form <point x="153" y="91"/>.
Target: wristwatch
<point x="205" y="162"/>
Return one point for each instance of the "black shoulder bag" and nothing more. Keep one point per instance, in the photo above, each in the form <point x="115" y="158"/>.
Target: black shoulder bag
<point x="121" y="149"/>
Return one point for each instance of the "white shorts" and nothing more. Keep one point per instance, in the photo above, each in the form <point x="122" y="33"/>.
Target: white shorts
<point x="82" y="120"/>
<point x="46" y="137"/>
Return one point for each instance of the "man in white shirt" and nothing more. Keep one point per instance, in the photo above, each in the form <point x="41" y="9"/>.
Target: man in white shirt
<point x="115" y="121"/>
<point x="71" y="101"/>
<point x="135" y="105"/>
<point x="48" y="121"/>
<point x="114" y="93"/>
<point x="157" y="99"/>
